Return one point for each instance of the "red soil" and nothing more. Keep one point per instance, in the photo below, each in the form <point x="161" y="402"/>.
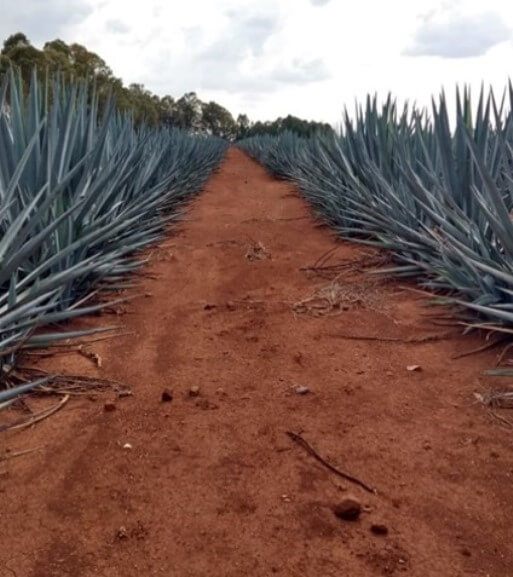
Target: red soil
<point x="213" y="486"/>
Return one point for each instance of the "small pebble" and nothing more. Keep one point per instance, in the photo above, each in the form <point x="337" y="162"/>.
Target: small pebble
<point x="413" y="368"/>
<point x="109" y="407"/>
<point x="127" y="446"/>
<point x="349" y="509"/>
<point x="221" y="392"/>
<point x="122" y="533"/>
<point x="301" y="390"/>
<point x="379" y="529"/>
<point x="194" y="391"/>
<point x="167" y="396"/>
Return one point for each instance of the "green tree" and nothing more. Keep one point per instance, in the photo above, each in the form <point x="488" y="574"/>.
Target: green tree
<point x="218" y="121"/>
<point x="18" y="51"/>
<point x="243" y="126"/>
<point x="188" y="112"/>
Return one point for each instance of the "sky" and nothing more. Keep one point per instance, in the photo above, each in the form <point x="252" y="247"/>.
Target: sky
<point x="270" y="58"/>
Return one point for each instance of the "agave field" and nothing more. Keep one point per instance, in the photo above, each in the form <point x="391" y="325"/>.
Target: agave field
<point x="440" y="198"/>
<point x="82" y="192"/>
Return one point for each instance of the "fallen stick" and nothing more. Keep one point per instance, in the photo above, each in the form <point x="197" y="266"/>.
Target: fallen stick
<point x="39" y="416"/>
<point x="7" y="456"/>
<point x="309" y="449"/>
<point x="480" y="349"/>
<point x="503" y="354"/>
<point x="424" y="339"/>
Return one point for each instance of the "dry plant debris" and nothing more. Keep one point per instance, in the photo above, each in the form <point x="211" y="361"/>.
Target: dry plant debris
<point x="257" y="251"/>
<point x="331" y="299"/>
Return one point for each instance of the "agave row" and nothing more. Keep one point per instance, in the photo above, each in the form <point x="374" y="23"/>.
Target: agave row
<point x="439" y="198"/>
<point x="81" y="191"/>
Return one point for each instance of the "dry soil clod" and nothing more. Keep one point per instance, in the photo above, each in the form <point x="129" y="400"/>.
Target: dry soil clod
<point x="349" y="509"/>
<point x="379" y="529"/>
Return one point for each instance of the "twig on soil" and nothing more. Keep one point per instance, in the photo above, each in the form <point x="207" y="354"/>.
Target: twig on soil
<point x="410" y="340"/>
<point x="8" y="456"/>
<point x="500" y="400"/>
<point x="503" y="353"/>
<point x="501" y="419"/>
<point x="71" y="348"/>
<point x="325" y="257"/>
<point x="345" y="266"/>
<point x="480" y="349"/>
<point x="37" y="417"/>
<point x="310" y="450"/>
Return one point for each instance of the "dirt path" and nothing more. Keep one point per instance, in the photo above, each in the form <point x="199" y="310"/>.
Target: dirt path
<point x="213" y="486"/>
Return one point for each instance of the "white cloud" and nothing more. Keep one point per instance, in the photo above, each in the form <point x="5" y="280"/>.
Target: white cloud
<point x="453" y="33"/>
<point x="41" y="21"/>
<point x="273" y="57"/>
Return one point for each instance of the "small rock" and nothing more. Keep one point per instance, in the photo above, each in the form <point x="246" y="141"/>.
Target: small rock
<point x="349" y="509"/>
<point x="413" y="368"/>
<point x="466" y="552"/>
<point x="194" y="391"/>
<point x="221" y="392"/>
<point x="124" y="394"/>
<point x="167" y="396"/>
<point x="379" y="529"/>
<point x="109" y="407"/>
<point x="127" y="446"/>
<point x="209" y="307"/>
<point x="231" y="306"/>
<point x="427" y="446"/>
<point x="122" y="533"/>
<point x="301" y="390"/>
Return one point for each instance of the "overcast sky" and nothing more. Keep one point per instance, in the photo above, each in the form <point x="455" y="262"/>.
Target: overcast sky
<point x="269" y="58"/>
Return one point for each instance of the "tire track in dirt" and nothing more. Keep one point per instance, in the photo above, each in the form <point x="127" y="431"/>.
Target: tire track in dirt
<point x="213" y="486"/>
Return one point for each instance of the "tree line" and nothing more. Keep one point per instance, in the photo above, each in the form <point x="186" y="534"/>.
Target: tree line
<point x="188" y="112"/>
